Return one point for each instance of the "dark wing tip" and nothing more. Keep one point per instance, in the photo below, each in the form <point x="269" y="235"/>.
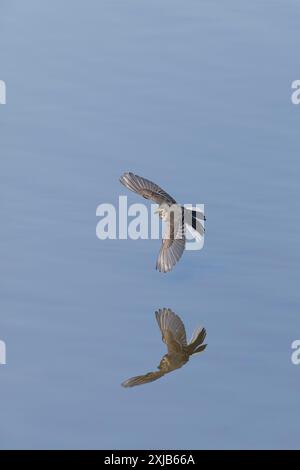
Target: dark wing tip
<point x="126" y="383"/>
<point x="122" y="179"/>
<point x="124" y="176"/>
<point x="142" y="379"/>
<point x="163" y="269"/>
<point x="160" y="311"/>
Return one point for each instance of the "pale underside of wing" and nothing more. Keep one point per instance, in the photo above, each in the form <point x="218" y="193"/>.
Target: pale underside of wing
<point x="172" y="330"/>
<point x="146" y="188"/>
<point x="172" y="246"/>
<point x="143" y="379"/>
<point x="169" y="255"/>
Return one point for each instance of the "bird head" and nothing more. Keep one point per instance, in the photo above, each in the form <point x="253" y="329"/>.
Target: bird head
<point x="164" y="363"/>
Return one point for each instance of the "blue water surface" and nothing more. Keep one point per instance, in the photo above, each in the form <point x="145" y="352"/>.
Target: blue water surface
<point x="195" y="95"/>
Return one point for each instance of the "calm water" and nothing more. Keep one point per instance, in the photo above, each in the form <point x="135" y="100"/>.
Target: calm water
<point x="196" y="96"/>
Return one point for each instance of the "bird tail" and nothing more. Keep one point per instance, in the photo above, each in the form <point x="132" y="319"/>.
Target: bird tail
<point x="192" y="219"/>
<point x="196" y="344"/>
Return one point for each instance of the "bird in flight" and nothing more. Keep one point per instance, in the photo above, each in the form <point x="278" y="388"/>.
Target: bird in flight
<point x="175" y="216"/>
<point x="179" y="351"/>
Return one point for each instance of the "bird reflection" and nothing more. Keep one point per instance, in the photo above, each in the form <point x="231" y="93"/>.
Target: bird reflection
<point x="179" y="351"/>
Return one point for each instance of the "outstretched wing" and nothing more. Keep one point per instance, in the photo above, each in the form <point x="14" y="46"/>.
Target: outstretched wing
<point x="173" y="244"/>
<point x="146" y="188"/>
<point x="172" y="330"/>
<point x="143" y="379"/>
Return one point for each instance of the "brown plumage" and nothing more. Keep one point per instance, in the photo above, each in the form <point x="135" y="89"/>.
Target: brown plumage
<point x="179" y="351"/>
